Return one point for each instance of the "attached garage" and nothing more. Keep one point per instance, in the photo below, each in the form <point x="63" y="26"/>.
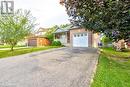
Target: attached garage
<point x="80" y="40"/>
<point x="32" y="42"/>
<point x="80" y="37"/>
<point x="75" y="36"/>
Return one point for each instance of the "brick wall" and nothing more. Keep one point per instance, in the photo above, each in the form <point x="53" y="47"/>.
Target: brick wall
<point x="95" y="40"/>
<point x="37" y="41"/>
<point x="80" y="30"/>
<point x="43" y="42"/>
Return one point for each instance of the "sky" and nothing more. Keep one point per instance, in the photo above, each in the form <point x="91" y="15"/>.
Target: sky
<point x="47" y="12"/>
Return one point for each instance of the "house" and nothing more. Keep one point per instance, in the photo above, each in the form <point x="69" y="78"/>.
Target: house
<point x="38" y="39"/>
<point x="63" y="35"/>
<point x="41" y="31"/>
<point x="77" y="37"/>
<point x="1" y="43"/>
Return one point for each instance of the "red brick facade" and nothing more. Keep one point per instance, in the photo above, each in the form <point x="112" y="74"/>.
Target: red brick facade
<point x="38" y="41"/>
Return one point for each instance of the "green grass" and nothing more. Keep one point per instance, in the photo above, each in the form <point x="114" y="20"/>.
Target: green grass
<point x="8" y="53"/>
<point x="7" y="46"/>
<point x="112" y="72"/>
<point x="4" y="46"/>
<point x="111" y="52"/>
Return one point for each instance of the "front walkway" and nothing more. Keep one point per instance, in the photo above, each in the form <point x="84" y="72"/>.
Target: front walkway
<point x="64" y="67"/>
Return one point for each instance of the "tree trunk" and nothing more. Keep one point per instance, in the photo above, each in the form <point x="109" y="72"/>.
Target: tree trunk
<point x="12" y="48"/>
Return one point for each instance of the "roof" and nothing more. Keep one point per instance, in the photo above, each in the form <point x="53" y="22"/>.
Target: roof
<point x="75" y="27"/>
<point x="61" y="30"/>
<point x="37" y="37"/>
<point x="41" y="30"/>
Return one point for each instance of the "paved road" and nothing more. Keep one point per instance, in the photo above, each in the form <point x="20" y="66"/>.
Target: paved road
<point x="65" y="67"/>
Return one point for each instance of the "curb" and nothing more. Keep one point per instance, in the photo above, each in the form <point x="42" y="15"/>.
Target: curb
<point x="94" y="72"/>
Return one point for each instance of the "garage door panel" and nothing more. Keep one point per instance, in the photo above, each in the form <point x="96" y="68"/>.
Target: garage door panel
<point x="80" y="40"/>
<point x="75" y="41"/>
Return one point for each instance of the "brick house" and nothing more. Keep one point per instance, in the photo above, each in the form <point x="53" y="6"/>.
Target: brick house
<point x="77" y="37"/>
<point x="38" y="39"/>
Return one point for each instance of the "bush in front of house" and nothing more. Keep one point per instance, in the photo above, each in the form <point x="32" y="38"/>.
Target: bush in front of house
<point x="56" y="43"/>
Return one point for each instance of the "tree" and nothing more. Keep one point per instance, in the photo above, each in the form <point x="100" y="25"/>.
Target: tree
<point x="50" y="32"/>
<point x="63" y="26"/>
<point x="15" y="27"/>
<point x="105" y="40"/>
<point x="111" y="17"/>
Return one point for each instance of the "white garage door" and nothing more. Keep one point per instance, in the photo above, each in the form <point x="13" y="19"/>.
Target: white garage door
<point x="80" y="40"/>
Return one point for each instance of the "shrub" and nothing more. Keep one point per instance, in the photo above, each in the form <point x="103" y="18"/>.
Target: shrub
<point x="105" y="40"/>
<point x="56" y="43"/>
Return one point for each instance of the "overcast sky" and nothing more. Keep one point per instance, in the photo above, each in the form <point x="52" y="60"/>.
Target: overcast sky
<point x="47" y="12"/>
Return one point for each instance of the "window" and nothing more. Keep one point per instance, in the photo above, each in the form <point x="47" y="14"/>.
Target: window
<point x="81" y="34"/>
<point x="85" y="34"/>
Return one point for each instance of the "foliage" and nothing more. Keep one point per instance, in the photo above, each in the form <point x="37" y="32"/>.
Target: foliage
<point x="64" y="25"/>
<point x="15" y="27"/>
<point x="111" y="17"/>
<point x="110" y="52"/>
<point x="105" y="40"/>
<point x="50" y="33"/>
<point x="56" y="43"/>
<point x="8" y="53"/>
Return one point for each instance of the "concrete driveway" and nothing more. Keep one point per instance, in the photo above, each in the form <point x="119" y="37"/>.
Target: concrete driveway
<point x="64" y="67"/>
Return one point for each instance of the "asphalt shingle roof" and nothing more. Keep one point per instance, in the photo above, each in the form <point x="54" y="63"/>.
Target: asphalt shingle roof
<point x="60" y="30"/>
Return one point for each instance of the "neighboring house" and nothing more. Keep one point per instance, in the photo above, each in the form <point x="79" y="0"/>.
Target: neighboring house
<point x="41" y="31"/>
<point x="23" y="42"/>
<point x="77" y="37"/>
<point x="38" y="39"/>
<point x="1" y="43"/>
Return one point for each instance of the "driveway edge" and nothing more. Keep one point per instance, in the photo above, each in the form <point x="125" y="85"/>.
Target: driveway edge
<point x="94" y="72"/>
<point x="45" y="51"/>
<point x="35" y="53"/>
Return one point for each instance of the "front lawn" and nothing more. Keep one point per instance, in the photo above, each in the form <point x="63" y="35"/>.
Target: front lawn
<point x="7" y="46"/>
<point x="7" y="53"/>
<point x="112" y="71"/>
<point x="111" y="52"/>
